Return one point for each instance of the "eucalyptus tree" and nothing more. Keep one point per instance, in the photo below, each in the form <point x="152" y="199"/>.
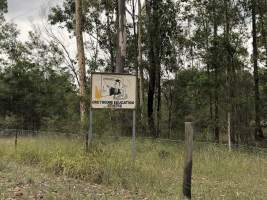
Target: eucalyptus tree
<point x="99" y="26"/>
<point x="219" y="37"/>
<point x="153" y="43"/>
<point x="140" y="58"/>
<point x="234" y="36"/>
<point x="107" y="38"/>
<point x="208" y="20"/>
<point x="254" y="15"/>
<point x="170" y="38"/>
<point x="203" y="38"/>
<point x="81" y="64"/>
<point x="262" y="43"/>
<point x="121" y="37"/>
<point x="262" y="24"/>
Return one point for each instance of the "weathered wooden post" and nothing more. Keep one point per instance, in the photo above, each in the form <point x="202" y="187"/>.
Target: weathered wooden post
<point x="229" y="131"/>
<point x="188" y="159"/>
<point x="16" y="139"/>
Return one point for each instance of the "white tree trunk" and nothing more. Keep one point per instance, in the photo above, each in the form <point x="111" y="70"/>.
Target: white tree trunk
<point x="121" y="34"/>
<point x="81" y="59"/>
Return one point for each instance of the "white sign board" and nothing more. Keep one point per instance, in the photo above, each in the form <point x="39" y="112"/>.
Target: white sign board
<point x="113" y="91"/>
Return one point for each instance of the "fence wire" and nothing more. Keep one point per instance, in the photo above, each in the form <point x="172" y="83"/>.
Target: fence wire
<point x="25" y="133"/>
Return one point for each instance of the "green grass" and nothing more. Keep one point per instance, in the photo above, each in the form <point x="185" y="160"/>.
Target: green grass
<point x="156" y="173"/>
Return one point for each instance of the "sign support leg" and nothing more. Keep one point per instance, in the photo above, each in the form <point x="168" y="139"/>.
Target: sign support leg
<point x="133" y="136"/>
<point x="90" y="127"/>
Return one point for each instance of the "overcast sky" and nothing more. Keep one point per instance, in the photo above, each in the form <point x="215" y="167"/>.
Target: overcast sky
<point x="25" y="13"/>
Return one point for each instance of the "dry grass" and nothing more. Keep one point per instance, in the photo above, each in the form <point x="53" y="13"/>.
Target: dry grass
<point x="156" y="173"/>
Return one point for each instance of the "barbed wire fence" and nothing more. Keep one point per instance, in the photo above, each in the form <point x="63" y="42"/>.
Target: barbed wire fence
<point x="18" y="133"/>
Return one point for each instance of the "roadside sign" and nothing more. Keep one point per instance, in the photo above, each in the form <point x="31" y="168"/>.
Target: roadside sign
<point x="116" y="91"/>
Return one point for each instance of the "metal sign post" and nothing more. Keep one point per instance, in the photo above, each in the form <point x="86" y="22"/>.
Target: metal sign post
<point x="133" y="137"/>
<point x="90" y="136"/>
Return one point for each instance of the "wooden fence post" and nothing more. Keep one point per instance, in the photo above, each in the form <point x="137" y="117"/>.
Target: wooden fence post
<point x="229" y="131"/>
<point x="16" y="139"/>
<point x="188" y="159"/>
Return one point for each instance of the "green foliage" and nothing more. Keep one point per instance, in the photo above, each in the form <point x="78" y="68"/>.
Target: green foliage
<point x="34" y="88"/>
<point x="103" y="33"/>
<point x="170" y="33"/>
<point x="3" y="6"/>
<point x="37" y="90"/>
<point x="32" y="94"/>
<point x="9" y="45"/>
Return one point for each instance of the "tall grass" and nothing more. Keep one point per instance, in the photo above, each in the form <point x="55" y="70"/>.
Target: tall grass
<point x="156" y="172"/>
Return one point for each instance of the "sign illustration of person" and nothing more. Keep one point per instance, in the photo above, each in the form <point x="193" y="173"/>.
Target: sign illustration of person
<point x="118" y="90"/>
<point x="114" y="87"/>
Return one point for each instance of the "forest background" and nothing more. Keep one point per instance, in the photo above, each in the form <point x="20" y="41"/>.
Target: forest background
<point x="197" y="59"/>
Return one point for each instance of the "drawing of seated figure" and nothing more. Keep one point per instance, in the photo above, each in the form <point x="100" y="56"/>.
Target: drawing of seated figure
<point x="118" y="90"/>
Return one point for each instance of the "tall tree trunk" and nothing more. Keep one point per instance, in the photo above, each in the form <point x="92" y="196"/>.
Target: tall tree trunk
<point x="151" y="70"/>
<point x="157" y="70"/>
<point x="169" y="122"/>
<point x="121" y="34"/>
<point x="216" y="71"/>
<point x="158" y="85"/>
<point x="152" y="10"/>
<point x="210" y="92"/>
<point x="170" y="103"/>
<point x="229" y="74"/>
<point x="121" y="53"/>
<point x="140" y="64"/>
<point x="209" y="77"/>
<point x="150" y="98"/>
<point x="81" y="63"/>
<point x="263" y="15"/>
<point x="110" y="39"/>
<point x="136" y="63"/>
<point x="258" y="130"/>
